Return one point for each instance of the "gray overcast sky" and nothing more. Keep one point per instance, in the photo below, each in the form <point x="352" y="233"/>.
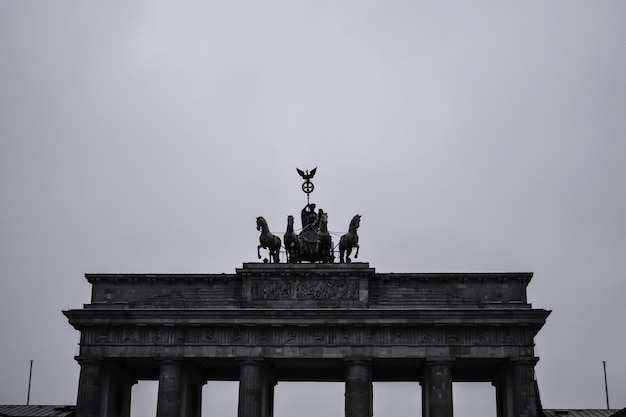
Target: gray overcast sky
<point x="471" y="136"/>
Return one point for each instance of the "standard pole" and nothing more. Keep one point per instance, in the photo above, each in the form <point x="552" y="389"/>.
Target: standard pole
<point x="30" y="377"/>
<point x="606" y="386"/>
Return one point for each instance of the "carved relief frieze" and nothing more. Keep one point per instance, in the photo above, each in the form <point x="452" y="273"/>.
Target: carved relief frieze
<point x="428" y="337"/>
<point x="313" y="289"/>
<point x="309" y="336"/>
<point x="371" y="337"/>
<point x="209" y="337"/>
<point x="318" y="337"/>
<point x="102" y="336"/>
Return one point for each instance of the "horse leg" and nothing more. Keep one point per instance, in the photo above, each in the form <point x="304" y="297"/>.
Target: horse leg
<point x="271" y="254"/>
<point x="341" y="248"/>
<point x="348" y="252"/>
<point x="276" y="256"/>
<point x="258" y="250"/>
<point x="356" y="255"/>
<point x="292" y="252"/>
<point x="276" y="251"/>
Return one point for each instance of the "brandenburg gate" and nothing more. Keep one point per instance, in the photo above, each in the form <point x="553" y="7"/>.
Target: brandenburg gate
<point x="309" y="319"/>
<point x="269" y="323"/>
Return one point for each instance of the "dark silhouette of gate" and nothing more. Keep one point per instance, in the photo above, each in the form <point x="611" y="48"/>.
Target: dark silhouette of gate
<point x="305" y="322"/>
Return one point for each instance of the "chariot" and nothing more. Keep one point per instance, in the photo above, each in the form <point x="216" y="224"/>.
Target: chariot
<point x="314" y="243"/>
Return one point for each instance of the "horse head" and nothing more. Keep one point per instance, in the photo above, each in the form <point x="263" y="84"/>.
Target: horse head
<point x="323" y="222"/>
<point x="356" y="222"/>
<point x="260" y="223"/>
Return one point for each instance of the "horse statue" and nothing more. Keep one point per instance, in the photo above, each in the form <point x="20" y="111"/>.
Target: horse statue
<point x="268" y="240"/>
<point x="350" y="240"/>
<point x="290" y="238"/>
<point x="324" y="240"/>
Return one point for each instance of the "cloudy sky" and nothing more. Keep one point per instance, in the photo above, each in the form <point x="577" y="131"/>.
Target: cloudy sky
<point x="471" y="136"/>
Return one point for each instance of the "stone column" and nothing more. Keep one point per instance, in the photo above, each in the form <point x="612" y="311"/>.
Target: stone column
<point x="252" y="385"/>
<point x="170" y="389"/>
<point x="359" y="394"/>
<point x="516" y="394"/>
<point x="89" y="388"/>
<point x="116" y="390"/>
<point x="503" y="384"/>
<point x="268" y="392"/>
<point x="523" y="387"/>
<point x="437" y="388"/>
<point x="192" y="382"/>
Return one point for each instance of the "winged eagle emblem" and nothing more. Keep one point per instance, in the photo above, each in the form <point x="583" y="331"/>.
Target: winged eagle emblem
<point x="306" y="175"/>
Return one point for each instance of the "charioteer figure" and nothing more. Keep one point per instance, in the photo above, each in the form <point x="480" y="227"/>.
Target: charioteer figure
<point x="311" y="219"/>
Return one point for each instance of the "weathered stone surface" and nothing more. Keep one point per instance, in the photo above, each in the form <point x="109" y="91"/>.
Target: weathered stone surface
<point x="306" y="322"/>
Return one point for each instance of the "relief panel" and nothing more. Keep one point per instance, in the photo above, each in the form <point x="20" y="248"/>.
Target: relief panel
<point x="308" y="336"/>
<point x="314" y="289"/>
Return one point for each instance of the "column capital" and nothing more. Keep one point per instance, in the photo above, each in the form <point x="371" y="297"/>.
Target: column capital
<point x="439" y="359"/>
<point x="251" y="361"/>
<point x="523" y="361"/>
<point x="87" y="360"/>
<point x="171" y="360"/>
<point x="357" y="361"/>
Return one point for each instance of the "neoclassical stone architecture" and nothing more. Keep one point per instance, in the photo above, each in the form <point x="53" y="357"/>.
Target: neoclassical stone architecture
<point x="305" y="322"/>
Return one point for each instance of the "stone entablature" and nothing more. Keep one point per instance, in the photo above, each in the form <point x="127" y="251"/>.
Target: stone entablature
<point x="333" y="322"/>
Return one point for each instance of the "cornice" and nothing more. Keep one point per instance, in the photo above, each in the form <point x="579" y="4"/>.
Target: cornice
<point x="328" y="317"/>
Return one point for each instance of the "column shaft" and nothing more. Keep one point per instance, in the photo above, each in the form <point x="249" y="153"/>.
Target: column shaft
<point x="359" y="394"/>
<point x="524" y="394"/>
<point x="251" y="388"/>
<point x="192" y="382"/>
<point x="503" y="384"/>
<point x="116" y="390"/>
<point x="437" y="389"/>
<point x="268" y="392"/>
<point x="516" y="393"/>
<point x="89" y="389"/>
<point x="170" y="389"/>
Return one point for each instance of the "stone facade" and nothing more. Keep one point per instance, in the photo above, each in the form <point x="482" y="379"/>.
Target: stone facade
<point x="313" y="322"/>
